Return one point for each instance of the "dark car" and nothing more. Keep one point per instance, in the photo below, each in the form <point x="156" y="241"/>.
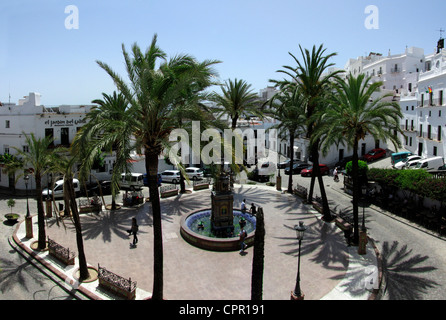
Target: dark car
<point x="254" y="175"/>
<point x="341" y="163"/>
<point x="374" y="154"/>
<point x="105" y="189"/>
<point x="298" y="167"/>
<point x="286" y="163"/>
<point x="146" y="181"/>
<point x="308" y="171"/>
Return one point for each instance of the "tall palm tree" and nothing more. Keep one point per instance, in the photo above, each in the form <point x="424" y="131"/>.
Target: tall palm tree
<point x="288" y="106"/>
<point x="154" y="94"/>
<point x="353" y="113"/>
<point x="63" y="163"/>
<point x="38" y="158"/>
<point x="236" y="100"/>
<point x="106" y="130"/>
<point x="313" y="78"/>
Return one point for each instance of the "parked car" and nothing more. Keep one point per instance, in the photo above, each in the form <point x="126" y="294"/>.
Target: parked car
<point x="256" y="176"/>
<point x="297" y="168"/>
<point x="399" y="156"/>
<point x="430" y="164"/>
<point x="374" y="154"/>
<point x="402" y="164"/>
<point x="131" y="180"/>
<point x="105" y="188"/>
<point x="286" y="164"/>
<point x="411" y="164"/>
<point x="146" y="180"/>
<point x="58" y="189"/>
<point x="308" y="171"/>
<point x="341" y="163"/>
<point x="194" y="173"/>
<point x="170" y="176"/>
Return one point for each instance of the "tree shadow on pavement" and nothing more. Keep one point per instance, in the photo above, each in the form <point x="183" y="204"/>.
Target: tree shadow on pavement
<point x="402" y="275"/>
<point x="322" y="241"/>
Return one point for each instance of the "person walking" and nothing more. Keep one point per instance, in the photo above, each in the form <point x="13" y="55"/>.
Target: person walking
<point x="134" y="230"/>
<point x="243" y="206"/>
<point x="253" y="210"/>
<point x="242" y="236"/>
<point x="335" y="174"/>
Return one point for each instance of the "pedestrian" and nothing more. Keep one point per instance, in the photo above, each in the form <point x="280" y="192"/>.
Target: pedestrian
<point x="253" y="209"/>
<point x="335" y="174"/>
<point x="243" y="206"/>
<point x="242" y="236"/>
<point x="134" y="230"/>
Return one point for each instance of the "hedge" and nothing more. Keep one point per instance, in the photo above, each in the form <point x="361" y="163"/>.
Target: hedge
<point x="420" y="182"/>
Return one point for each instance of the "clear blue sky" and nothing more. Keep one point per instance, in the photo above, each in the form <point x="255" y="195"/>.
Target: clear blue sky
<point x="252" y="38"/>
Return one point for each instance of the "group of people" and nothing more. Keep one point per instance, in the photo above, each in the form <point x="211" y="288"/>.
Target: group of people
<point x="252" y="210"/>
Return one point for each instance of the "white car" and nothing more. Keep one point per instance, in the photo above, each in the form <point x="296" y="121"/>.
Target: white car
<point x="411" y="164"/>
<point x="58" y="189"/>
<point x="132" y="181"/>
<point x="170" y="176"/>
<point x="401" y="165"/>
<point x="194" y="173"/>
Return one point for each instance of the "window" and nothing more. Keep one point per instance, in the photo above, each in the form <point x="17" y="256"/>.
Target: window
<point x="434" y="152"/>
<point x="429" y="132"/>
<point x="6" y="149"/>
<point x="411" y="125"/>
<point x="26" y="149"/>
<point x="440" y="97"/>
<point x="410" y="87"/>
<point x="7" y="124"/>
<point x="422" y="99"/>
<point x="421" y="130"/>
<point x="410" y="141"/>
<point x="439" y="133"/>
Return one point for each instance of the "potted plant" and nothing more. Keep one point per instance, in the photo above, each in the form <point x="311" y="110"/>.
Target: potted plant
<point x="12" y="217"/>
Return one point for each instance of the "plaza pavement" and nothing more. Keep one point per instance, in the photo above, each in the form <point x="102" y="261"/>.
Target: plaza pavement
<point x="330" y="270"/>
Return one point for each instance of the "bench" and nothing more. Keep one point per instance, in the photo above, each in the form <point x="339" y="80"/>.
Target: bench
<point x="61" y="253"/>
<point x="200" y="185"/>
<point x="301" y="192"/>
<point x="346" y="227"/>
<point x="86" y="206"/>
<point x="116" y="284"/>
<point x="168" y="191"/>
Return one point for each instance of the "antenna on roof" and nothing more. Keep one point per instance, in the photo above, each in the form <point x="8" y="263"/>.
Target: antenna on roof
<point x="441" y="32"/>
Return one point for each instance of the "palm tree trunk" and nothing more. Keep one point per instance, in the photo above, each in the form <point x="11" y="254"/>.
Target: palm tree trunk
<point x="290" y="177"/>
<point x="83" y="268"/>
<point x="152" y="170"/>
<point x="40" y="214"/>
<point x="317" y="174"/>
<point x="258" y="258"/>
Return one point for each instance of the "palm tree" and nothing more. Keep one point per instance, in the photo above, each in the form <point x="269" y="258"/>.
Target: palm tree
<point x="313" y="78"/>
<point x="38" y="159"/>
<point x="353" y="113"/>
<point x="106" y="130"/>
<point x="63" y="163"/>
<point x="236" y="100"/>
<point x="154" y="95"/>
<point x="288" y="106"/>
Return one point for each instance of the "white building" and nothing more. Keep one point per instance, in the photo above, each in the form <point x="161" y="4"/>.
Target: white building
<point x="425" y="108"/>
<point x="30" y="116"/>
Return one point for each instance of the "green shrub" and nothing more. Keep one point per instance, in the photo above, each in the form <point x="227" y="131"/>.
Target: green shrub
<point x="362" y="168"/>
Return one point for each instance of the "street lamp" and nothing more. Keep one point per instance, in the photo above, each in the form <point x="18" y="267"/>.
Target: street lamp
<point x="297" y="293"/>
<point x="363" y="233"/>
<point x="364" y="192"/>
<point x="26" y="178"/>
<point x="28" y="218"/>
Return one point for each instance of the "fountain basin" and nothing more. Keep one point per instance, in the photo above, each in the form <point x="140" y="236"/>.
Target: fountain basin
<point x="204" y="238"/>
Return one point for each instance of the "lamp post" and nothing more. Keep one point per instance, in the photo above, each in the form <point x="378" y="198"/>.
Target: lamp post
<point x="297" y="294"/>
<point x="28" y="218"/>
<point x="363" y="233"/>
